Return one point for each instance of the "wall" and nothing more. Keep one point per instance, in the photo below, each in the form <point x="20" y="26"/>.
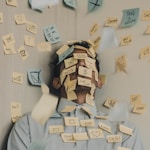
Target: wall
<point x="74" y="25"/>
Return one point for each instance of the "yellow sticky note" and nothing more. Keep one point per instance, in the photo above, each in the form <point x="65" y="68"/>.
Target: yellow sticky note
<point x="11" y="2"/>
<point x="23" y="53"/>
<point x="83" y="71"/>
<point x="90" y="63"/>
<point x="139" y="109"/>
<point x="9" y="39"/>
<point x="147" y="30"/>
<point x="71" y="95"/>
<point x="20" y="19"/>
<point x="90" y="99"/>
<point x="125" y="129"/>
<point x="62" y="49"/>
<point x="146" y="15"/>
<point x="67" y="137"/>
<point x="87" y="123"/>
<point x="135" y="99"/>
<point x="114" y="138"/>
<point x="70" y="62"/>
<point x="84" y="82"/>
<point x="69" y="70"/>
<point x="80" y="136"/>
<point x="96" y="42"/>
<point x="31" y="27"/>
<point x="44" y="46"/>
<point x="145" y="52"/>
<point x="94" y="28"/>
<point x="121" y="63"/>
<point x="123" y="148"/>
<point x="71" y="121"/>
<point x="110" y="102"/>
<point x="103" y="79"/>
<point x="105" y="127"/>
<point x="95" y="133"/>
<point x="111" y="22"/>
<point x="15" y="111"/>
<point x="68" y="109"/>
<point x="56" y="129"/>
<point x="80" y="55"/>
<point x="87" y="110"/>
<point x="17" y="78"/>
<point x="1" y="17"/>
<point x="126" y="40"/>
<point x="79" y="47"/>
<point x="29" y="40"/>
<point x="102" y="117"/>
<point x="9" y="49"/>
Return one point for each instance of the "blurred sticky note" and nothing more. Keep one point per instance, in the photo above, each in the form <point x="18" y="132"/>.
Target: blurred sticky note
<point x="31" y="27"/>
<point x="123" y="148"/>
<point x="121" y="63"/>
<point x="147" y="30"/>
<point x="94" y="28"/>
<point x="9" y="39"/>
<point x="9" y="49"/>
<point x="29" y="40"/>
<point x="135" y="99"/>
<point x="94" y="5"/>
<point x="108" y="38"/>
<point x="103" y="79"/>
<point x="11" y="2"/>
<point x="20" y="19"/>
<point x="52" y="34"/>
<point x="23" y="53"/>
<point x="110" y="102"/>
<point x="70" y="3"/>
<point x="146" y="15"/>
<point x="130" y="17"/>
<point x="17" y="78"/>
<point x="145" y="52"/>
<point x="126" y="40"/>
<point x="139" y="109"/>
<point x="34" y="76"/>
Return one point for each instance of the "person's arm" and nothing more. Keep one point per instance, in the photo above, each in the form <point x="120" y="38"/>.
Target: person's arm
<point x="133" y="142"/>
<point x="19" y="138"/>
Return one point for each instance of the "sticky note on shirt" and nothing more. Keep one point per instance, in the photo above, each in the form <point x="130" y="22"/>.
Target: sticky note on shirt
<point x="56" y="129"/>
<point x="70" y="3"/>
<point x="71" y="121"/>
<point x="67" y="137"/>
<point x="125" y="129"/>
<point x="114" y="138"/>
<point x="95" y="133"/>
<point x="105" y="127"/>
<point x="80" y="136"/>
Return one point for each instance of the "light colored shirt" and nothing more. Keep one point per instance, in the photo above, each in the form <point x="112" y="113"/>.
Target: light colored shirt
<point x="28" y="134"/>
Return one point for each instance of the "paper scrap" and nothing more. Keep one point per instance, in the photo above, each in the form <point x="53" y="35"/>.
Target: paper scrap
<point x="94" y="5"/>
<point x="52" y="34"/>
<point x="17" y="78"/>
<point x="31" y="27"/>
<point x="80" y="136"/>
<point x="111" y="22"/>
<point x="105" y="127"/>
<point x="47" y="106"/>
<point x="125" y="129"/>
<point x="114" y="138"/>
<point x="56" y="129"/>
<point x="23" y="53"/>
<point x="20" y="19"/>
<point x="1" y="17"/>
<point x="108" y="38"/>
<point x="16" y="112"/>
<point x="12" y="2"/>
<point x="44" y="46"/>
<point x="35" y="76"/>
<point x="70" y="3"/>
<point x="67" y="137"/>
<point x="146" y="15"/>
<point x="130" y="17"/>
<point x="126" y="40"/>
<point x="145" y="52"/>
<point x="71" y="121"/>
<point x="29" y="40"/>
<point x="95" y="133"/>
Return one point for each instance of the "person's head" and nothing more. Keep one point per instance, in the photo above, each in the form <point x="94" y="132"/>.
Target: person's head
<point x="76" y="70"/>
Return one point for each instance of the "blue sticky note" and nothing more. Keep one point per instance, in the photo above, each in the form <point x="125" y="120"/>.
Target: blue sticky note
<point x="65" y="54"/>
<point x="130" y="17"/>
<point x="51" y="34"/>
<point x="34" y="76"/>
<point x="70" y="3"/>
<point x="94" y="5"/>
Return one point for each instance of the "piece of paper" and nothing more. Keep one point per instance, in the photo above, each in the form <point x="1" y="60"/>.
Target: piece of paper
<point x="67" y="137"/>
<point x="12" y="2"/>
<point x="83" y="71"/>
<point x="145" y="52"/>
<point x="69" y="70"/>
<point x="23" y="53"/>
<point x="94" y="29"/>
<point x="35" y="76"/>
<point x="71" y="95"/>
<point x="80" y="136"/>
<point x="71" y="121"/>
<point x="111" y="22"/>
<point x="123" y="148"/>
<point x="103" y="79"/>
<point x="44" y="108"/>
<point x="96" y="42"/>
<point x="31" y="27"/>
<point x="114" y="138"/>
<point x="108" y="38"/>
<point x="16" y="112"/>
<point x="29" y="40"/>
<point x="95" y="133"/>
<point x="102" y="117"/>
<point x="68" y="109"/>
<point x="146" y="15"/>
<point x="105" y="127"/>
<point x="87" y="110"/>
<point x="56" y="129"/>
<point x="80" y="55"/>
<point x="84" y="82"/>
<point x="130" y="17"/>
<point x="44" y="46"/>
<point x="1" y="17"/>
<point x="94" y="5"/>
<point x="20" y="19"/>
<point x="126" y="40"/>
<point x="125" y="129"/>
<point x="90" y="99"/>
<point x="70" y="3"/>
<point x="52" y="34"/>
<point x="17" y="78"/>
<point x="87" y="123"/>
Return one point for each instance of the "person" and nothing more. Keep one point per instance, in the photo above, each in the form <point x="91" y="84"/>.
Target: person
<point x="76" y="124"/>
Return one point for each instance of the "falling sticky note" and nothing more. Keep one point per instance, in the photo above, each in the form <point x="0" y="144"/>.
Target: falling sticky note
<point x="130" y="17"/>
<point x="70" y="3"/>
<point x="52" y="34"/>
<point x="108" y="38"/>
<point x="34" y="76"/>
<point x="94" y="5"/>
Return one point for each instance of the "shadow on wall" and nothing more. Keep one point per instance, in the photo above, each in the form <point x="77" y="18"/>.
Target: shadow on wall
<point x="4" y="143"/>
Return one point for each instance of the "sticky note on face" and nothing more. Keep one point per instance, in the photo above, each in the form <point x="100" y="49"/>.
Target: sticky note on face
<point x="70" y="62"/>
<point x="85" y="72"/>
<point x="84" y="82"/>
<point x="139" y="109"/>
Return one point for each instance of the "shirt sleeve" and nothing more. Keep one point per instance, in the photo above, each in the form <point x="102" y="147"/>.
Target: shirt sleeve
<point x="133" y="142"/>
<point x="19" y="138"/>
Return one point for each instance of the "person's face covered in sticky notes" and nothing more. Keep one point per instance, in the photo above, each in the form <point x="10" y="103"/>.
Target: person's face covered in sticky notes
<point x="78" y="75"/>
